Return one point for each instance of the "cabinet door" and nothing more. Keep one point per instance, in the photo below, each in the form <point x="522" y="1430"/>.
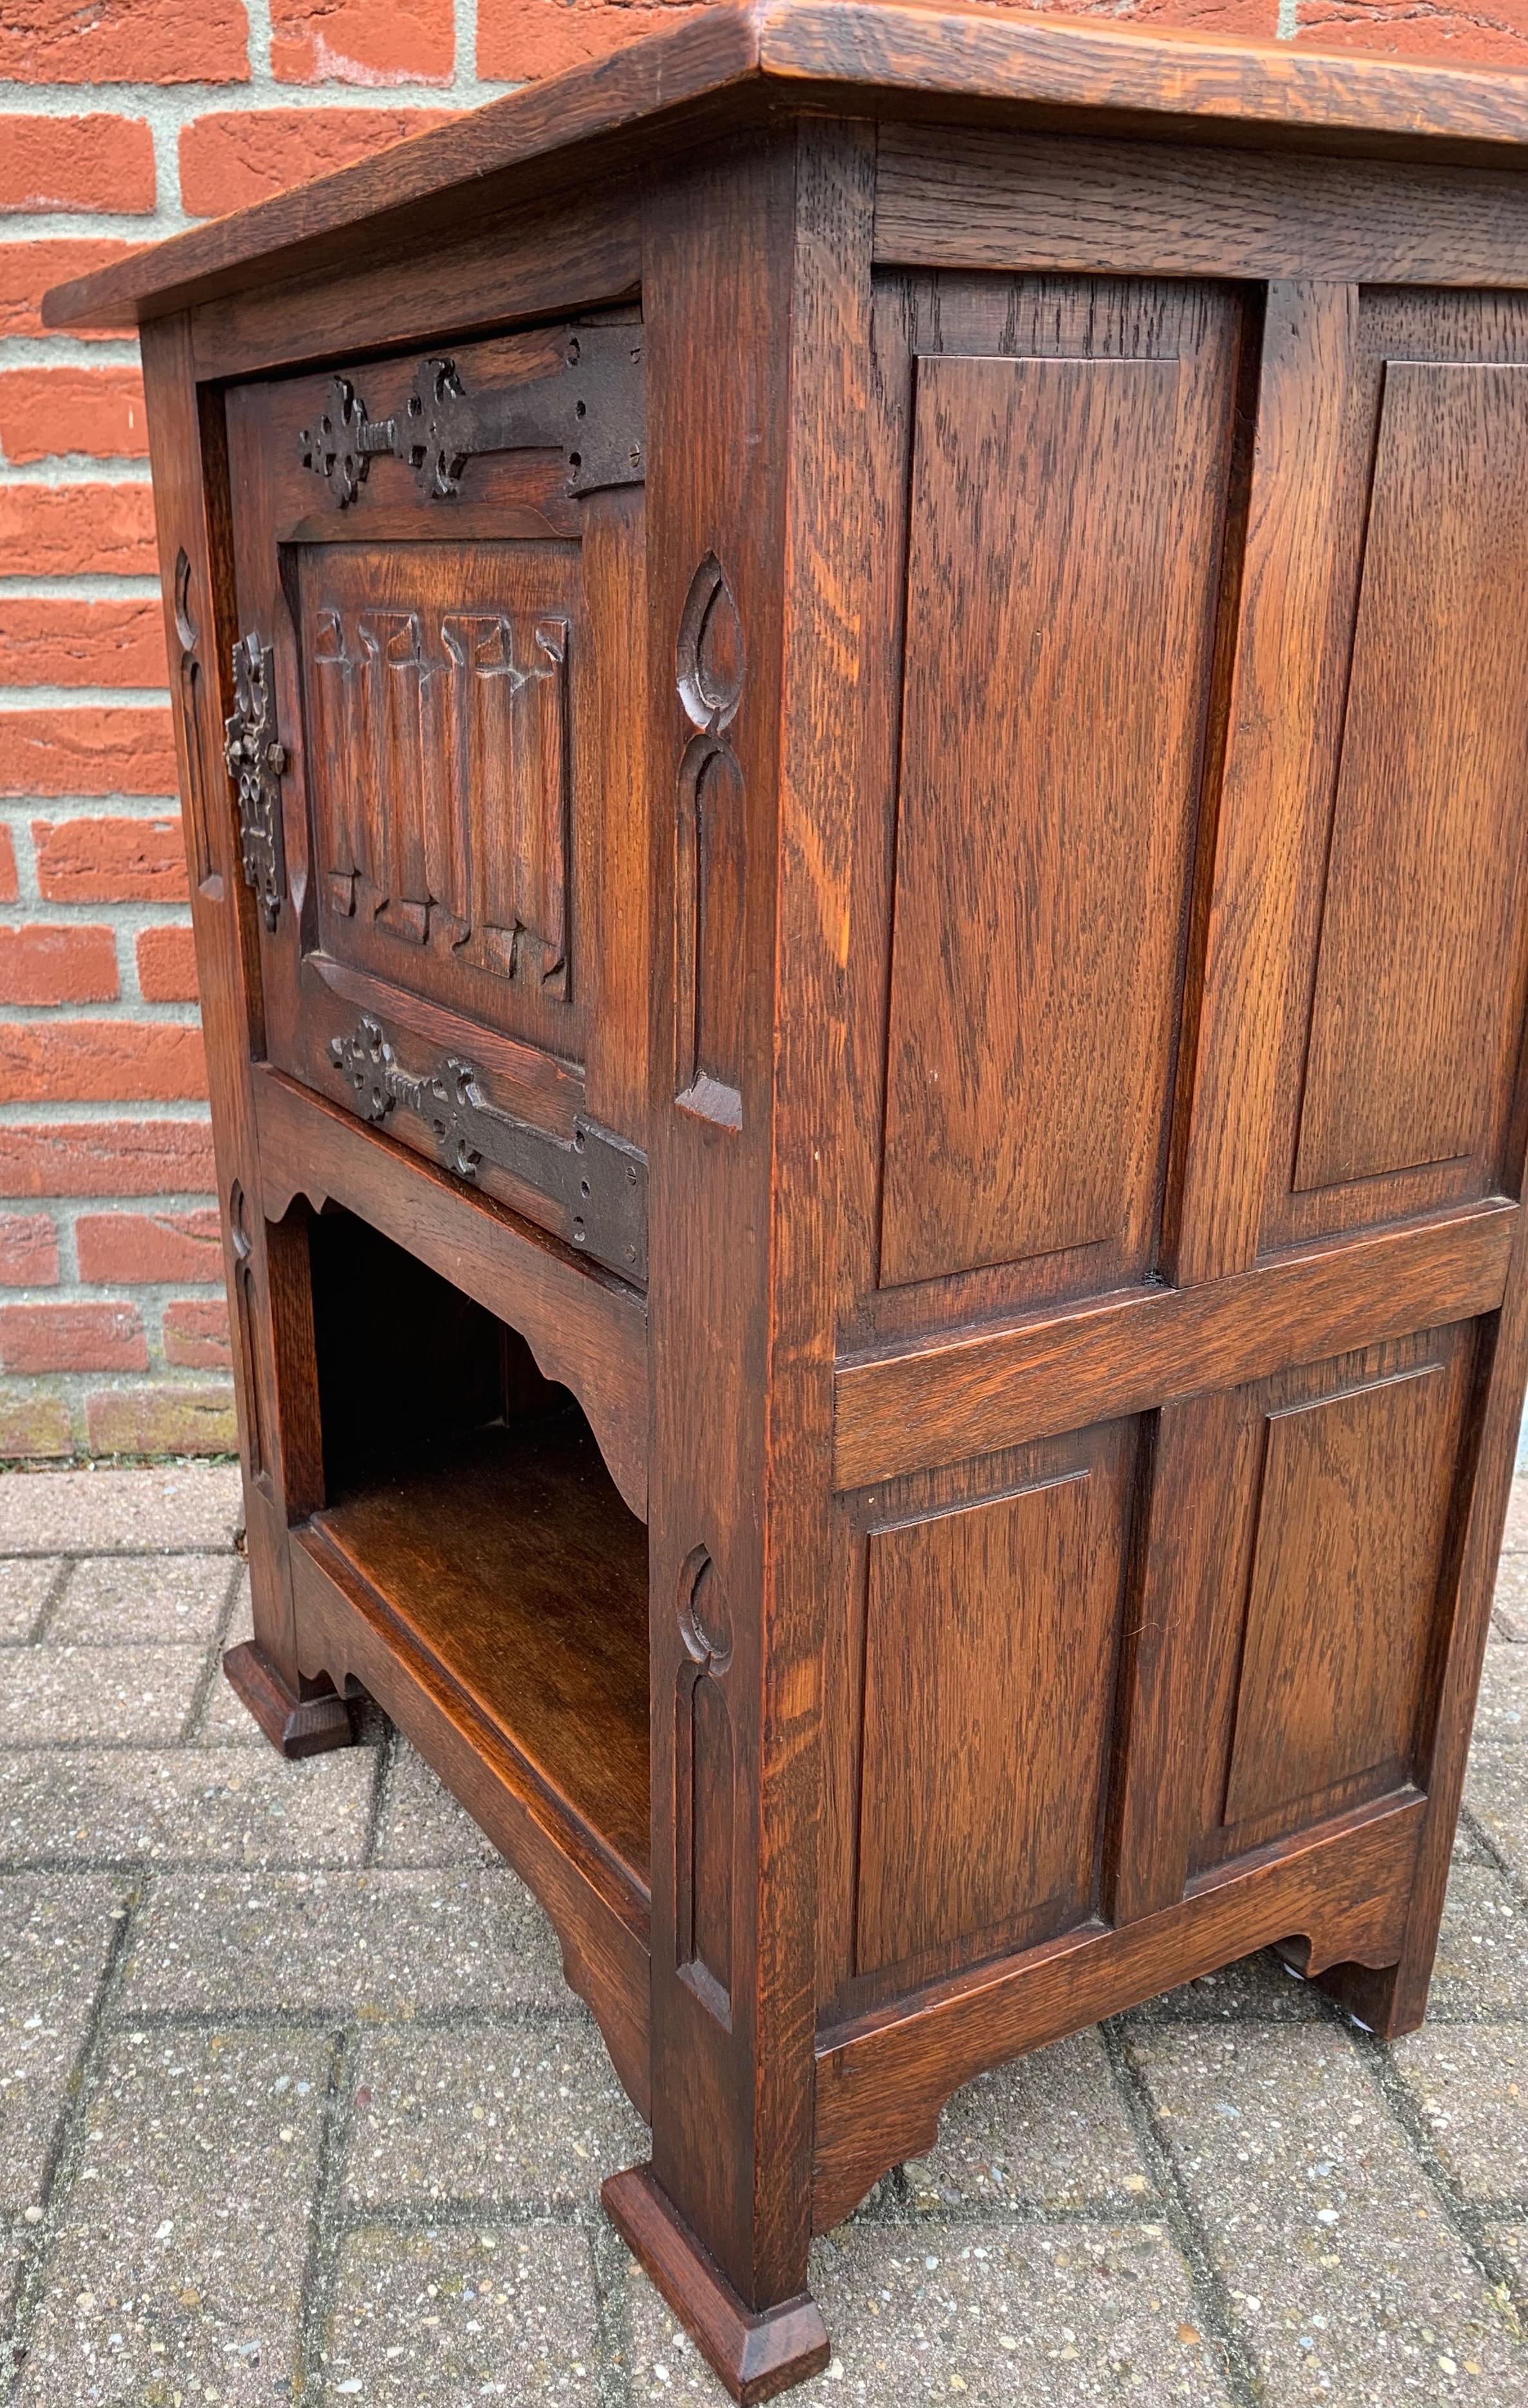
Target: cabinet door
<point x="448" y="640"/>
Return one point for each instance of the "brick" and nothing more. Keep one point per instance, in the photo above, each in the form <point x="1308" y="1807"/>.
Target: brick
<point x="58" y="965"/>
<point x="9" y="887"/>
<point x="196" y="1334"/>
<point x="183" y="1806"/>
<point x="168" y="1420"/>
<point x="168" y="964"/>
<point x="77" y="163"/>
<point x="229" y="159"/>
<point x="178" y="2269"/>
<point x="520" y="39"/>
<point x="100" y="1062"/>
<point x="33" y="1425"/>
<point x="353" y="41"/>
<point x="93" y="530"/>
<point x="126" y="41"/>
<point x="164" y="1601"/>
<point x="125" y="1247"/>
<point x="44" y="641"/>
<point x="68" y="1696"/>
<point x="92" y="750"/>
<point x="28" y="1250"/>
<point x="1418" y="29"/>
<point x="51" y="413"/>
<point x="56" y="1931"/>
<point x="28" y="268"/>
<point x="72" y="1337"/>
<point x="377" y="1945"/>
<point x="106" y="1158"/>
<point x="110" y="860"/>
<point x="168" y="1511"/>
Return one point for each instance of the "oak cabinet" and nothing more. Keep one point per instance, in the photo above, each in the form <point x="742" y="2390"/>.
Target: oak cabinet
<point x="852" y="697"/>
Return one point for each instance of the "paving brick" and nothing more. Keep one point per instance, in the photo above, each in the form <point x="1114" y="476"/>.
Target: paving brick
<point x="51" y="412"/>
<point x="169" y="1420"/>
<point x="126" y="41"/>
<point x="1481" y="1973"/>
<point x="101" y="1062"/>
<point x="231" y="159"/>
<point x="353" y="41"/>
<point x="421" y="1823"/>
<point x="1051" y="2131"/>
<point x="1037" y="2316"/>
<point x="1494" y="1793"/>
<point x="119" y="1248"/>
<point x="24" y="1590"/>
<point x="42" y="965"/>
<point x="376" y="1944"/>
<point x="78" y="1694"/>
<point x="174" y="1511"/>
<point x="433" y="2319"/>
<point x="28" y="1250"/>
<point x="177" y="2271"/>
<point x="72" y="1337"/>
<point x="1259" y="1989"/>
<point x="87" y="750"/>
<point x="1346" y="2279"/>
<point x="28" y="268"/>
<point x="226" y="1720"/>
<point x="77" y="530"/>
<point x="46" y="642"/>
<point x="195" y="1333"/>
<point x="181" y="1806"/>
<point x="168" y="964"/>
<point x="144" y="1157"/>
<point x="1501" y="1715"/>
<point x="533" y="2115"/>
<point x="1471" y="2087"/>
<point x="1515" y="1535"/>
<point x="111" y="860"/>
<point x="56" y="1933"/>
<point x="174" y="1600"/>
<point x="77" y="163"/>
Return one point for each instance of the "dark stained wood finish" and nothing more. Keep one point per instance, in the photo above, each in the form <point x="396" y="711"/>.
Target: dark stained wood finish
<point x="927" y="993"/>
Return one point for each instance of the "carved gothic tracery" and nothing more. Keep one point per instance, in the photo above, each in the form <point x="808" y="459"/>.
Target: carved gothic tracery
<point x="256" y="760"/>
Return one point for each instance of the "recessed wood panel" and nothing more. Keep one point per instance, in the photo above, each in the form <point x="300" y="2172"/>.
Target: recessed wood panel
<point x="1419" y="984"/>
<point x="1061" y="565"/>
<point x="989" y="1677"/>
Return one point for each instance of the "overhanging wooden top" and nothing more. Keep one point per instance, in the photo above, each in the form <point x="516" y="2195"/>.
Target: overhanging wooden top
<point x="731" y="65"/>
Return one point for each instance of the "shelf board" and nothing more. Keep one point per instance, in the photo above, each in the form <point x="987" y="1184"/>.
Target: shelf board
<point x="512" y="1561"/>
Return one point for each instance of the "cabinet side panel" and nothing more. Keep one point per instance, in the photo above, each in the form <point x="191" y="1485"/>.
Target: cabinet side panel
<point x="1062" y="549"/>
<point x="1418" y="990"/>
<point x="990" y="1654"/>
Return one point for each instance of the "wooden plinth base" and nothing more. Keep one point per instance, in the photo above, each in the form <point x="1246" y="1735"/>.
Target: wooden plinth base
<point x="296" y="1726"/>
<point x="755" y="2355"/>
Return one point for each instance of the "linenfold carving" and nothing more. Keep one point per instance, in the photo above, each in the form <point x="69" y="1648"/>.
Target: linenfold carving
<point x="441" y="780"/>
<point x="592" y="409"/>
<point x="601" y="1182"/>
<point x="256" y="759"/>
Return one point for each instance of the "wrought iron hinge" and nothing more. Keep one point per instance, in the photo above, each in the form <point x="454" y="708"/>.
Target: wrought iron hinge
<point x="256" y="758"/>
<point x="593" y="409"/>
<point x="600" y="1180"/>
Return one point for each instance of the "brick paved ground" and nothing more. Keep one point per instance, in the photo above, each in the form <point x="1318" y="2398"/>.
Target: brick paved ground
<point x="293" y="2104"/>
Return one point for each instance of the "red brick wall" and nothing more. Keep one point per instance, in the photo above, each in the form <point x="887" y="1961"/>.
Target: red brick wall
<point x="119" y="122"/>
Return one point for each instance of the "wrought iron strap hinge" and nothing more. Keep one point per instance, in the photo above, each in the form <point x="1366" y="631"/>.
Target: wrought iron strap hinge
<point x="256" y="759"/>
<point x="600" y="1180"/>
<point x="593" y="409"/>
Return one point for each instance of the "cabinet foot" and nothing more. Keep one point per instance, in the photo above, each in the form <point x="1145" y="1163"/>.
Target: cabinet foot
<point x="1380" y="1996"/>
<point x="296" y="1726"/>
<point x="755" y="2355"/>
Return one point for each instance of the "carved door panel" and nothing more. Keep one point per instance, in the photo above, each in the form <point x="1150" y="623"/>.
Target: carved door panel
<point x="441" y="592"/>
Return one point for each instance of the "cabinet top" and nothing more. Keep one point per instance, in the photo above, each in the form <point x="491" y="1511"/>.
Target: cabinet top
<point x="730" y="66"/>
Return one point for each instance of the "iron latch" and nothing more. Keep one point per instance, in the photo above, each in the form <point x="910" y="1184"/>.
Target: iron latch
<point x="593" y="409"/>
<point x="599" y="1179"/>
<point x="256" y="759"/>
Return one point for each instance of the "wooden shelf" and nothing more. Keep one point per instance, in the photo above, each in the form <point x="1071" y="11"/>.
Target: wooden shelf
<point x="512" y="1563"/>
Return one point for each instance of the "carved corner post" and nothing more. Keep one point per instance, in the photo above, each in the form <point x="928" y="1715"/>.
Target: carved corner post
<point x="756" y="301"/>
<point x="269" y="1306"/>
